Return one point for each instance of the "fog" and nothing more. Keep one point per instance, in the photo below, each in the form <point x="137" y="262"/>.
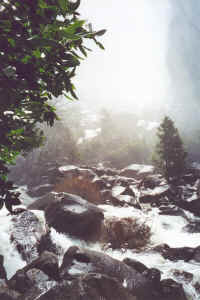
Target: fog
<point x="151" y="61"/>
<point x="183" y="61"/>
<point x="132" y="71"/>
<point x="150" y="68"/>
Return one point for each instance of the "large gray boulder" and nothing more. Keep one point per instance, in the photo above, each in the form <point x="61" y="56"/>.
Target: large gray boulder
<point x="73" y="215"/>
<point x="6" y="293"/>
<point x="92" y="286"/>
<point x="137" y="171"/>
<point x="80" y="261"/>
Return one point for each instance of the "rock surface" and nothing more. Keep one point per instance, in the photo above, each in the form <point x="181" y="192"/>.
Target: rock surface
<point x="75" y="216"/>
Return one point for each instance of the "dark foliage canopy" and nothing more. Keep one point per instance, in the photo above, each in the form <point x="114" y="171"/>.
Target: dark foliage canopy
<point x="42" y="42"/>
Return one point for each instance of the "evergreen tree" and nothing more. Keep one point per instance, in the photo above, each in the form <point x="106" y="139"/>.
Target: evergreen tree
<point x="170" y="155"/>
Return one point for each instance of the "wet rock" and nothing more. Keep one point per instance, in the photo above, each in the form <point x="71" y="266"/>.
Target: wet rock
<point x="46" y="244"/>
<point x="40" y="270"/>
<point x="192" y="206"/>
<point x="89" y="287"/>
<point x="171" y="290"/>
<point x="75" y="216"/>
<point x="40" y="190"/>
<point x="136" y="265"/>
<point x="154" y="276"/>
<point x="192" y="227"/>
<point x="20" y="282"/>
<point x="183" y="275"/>
<point x="172" y="211"/>
<point x="79" y="261"/>
<point x="152" y="181"/>
<point x="43" y="202"/>
<point x="27" y="231"/>
<point x="39" y="288"/>
<point x="197" y="287"/>
<point x="101" y="184"/>
<point x="149" y="196"/>
<point x="196" y="255"/>
<point x="110" y="199"/>
<point x="128" y="191"/>
<point x="82" y="182"/>
<point x="70" y="171"/>
<point x="125" y="233"/>
<point x="137" y="171"/>
<point x="174" y="254"/>
<point x="48" y="263"/>
<point x="6" y="293"/>
<point x="3" y="274"/>
<point x="189" y="178"/>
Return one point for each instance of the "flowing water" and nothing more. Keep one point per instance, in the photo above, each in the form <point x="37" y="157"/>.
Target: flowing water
<point x="164" y="229"/>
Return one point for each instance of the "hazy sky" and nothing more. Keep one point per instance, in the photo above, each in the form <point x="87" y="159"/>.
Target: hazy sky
<point x="132" y="69"/>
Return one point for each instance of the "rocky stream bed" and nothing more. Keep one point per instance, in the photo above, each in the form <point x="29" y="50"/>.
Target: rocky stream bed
<point x="103" y="234"/>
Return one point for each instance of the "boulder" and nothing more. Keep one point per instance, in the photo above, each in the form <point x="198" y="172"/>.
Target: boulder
<point x="154" y="195"/>
<point x="26" y="234"/>
<point x="89" y="287"/>
<point x="43" y="202"/>
<point x="73" y="215"/>
<point x="40" y="190"/>
<point x="20" y="282"/>
<point x="128" y="191"/>
<point x="46" y="244"/>
<point x="192" y="227"/>
<point x="82" y="182"/>
<point x="40" y="286"/>
<point x="192" y="206"/>
<point x="172" y="210"/>
<point x="3" y="274"/>
<point x="183" y="275"/>
<point x="137" y="171"/>
<point x="42" y="269"/>
<point x="174" y="254"/>
<point x="152" y="181"/>
<point x="6" y="293"/>
<point x="79" y="261"/>
<point x="135" y="264"/>
<point x="171" y="290"/>
<point x="108" y="198"/>
<point x="196" y="255"/>
<point x="189" y="178"/>
<point x="125" y="233"/>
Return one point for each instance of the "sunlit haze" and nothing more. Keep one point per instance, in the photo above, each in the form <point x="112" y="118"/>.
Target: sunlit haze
<point x="132" y="70"/>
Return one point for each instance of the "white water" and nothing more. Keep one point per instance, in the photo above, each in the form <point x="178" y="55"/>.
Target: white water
<point x="165" y="229"/>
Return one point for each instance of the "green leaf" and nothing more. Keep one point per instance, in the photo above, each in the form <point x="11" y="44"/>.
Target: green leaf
<point x="100" y="32"/>
<point x="37" y="53"/>
<point x="26" y="59"/>
<point x="68" y="97"/>
<point x="12" y="42"/>
<point x="42" y="4"/>
<point x="71" y="29"/>
<point x="100" y="45"/>
<point x="83" y="51"/>
<point x="63" y="5"/>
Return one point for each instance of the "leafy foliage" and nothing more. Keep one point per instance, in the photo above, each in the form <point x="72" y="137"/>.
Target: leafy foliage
<point x="41" y="44"/>
<point x="170" y="155"/>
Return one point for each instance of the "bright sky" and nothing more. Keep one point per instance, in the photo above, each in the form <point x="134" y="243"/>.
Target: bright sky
<point x="132" y="69"/>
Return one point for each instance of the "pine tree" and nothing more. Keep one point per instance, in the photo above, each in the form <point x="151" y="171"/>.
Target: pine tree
<point x="170" y="154"/>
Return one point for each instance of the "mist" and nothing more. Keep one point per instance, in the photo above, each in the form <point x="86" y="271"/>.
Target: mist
<point x="150" y="68"/>
<point x="132" y="71"/>
<point x="183" y="62"/>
